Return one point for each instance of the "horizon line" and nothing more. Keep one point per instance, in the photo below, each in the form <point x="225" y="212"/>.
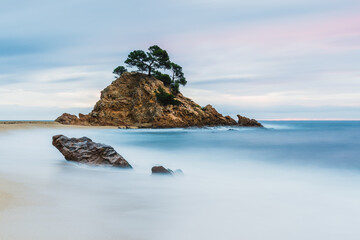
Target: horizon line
<point x="309" y="119"/>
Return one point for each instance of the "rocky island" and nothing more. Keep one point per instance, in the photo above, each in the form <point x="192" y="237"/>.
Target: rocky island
<point x="131" y="101"/>
<point x="152" y="100"/>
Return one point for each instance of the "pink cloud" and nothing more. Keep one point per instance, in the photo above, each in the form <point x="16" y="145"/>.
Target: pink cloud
<point x="325" y="33"/>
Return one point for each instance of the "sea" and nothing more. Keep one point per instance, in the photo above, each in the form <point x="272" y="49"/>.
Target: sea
<point x="292" y="180"/>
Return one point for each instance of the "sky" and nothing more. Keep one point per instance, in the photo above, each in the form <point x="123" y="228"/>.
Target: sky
<point x="265" y="59"/>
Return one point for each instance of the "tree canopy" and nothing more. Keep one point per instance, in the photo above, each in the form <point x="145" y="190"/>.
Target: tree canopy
<point x="155" y="58"/>
<point x="151" y="62"/>
<point x="119" y="70"/>
<point x="177" y="79"/>
<point x="165" y="78"/>
<point x="178" y="74"/>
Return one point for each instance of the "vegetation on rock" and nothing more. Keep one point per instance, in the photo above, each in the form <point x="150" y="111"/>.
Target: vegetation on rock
<point x="165" y="78"/>
<point x="177" y="78"/>
<point x="119" y="70"/>
<point x="155" y="58"/>
<point x="130" y="101"/>
<point x="151" y="62"/>
<point x="166" y="98"/>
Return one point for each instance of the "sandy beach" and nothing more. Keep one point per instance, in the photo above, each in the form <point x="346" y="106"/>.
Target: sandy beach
<point x="8" y="192"/>
<point x="5" y="199"/>
<point x="8" y="189"/>
<point x="14" y="125"/>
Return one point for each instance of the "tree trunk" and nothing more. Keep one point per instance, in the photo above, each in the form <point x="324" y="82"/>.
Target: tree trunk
<point x="149" y="71"/>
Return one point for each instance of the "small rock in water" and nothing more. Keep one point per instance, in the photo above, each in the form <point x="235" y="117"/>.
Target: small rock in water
<point x="84" y="150"/>
<point x="127" y="127"/>
<point x="161" y="170"/>
<point x="166" y="171"/>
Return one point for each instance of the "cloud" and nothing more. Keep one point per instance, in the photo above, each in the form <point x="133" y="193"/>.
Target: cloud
<point x="283" y="55"/>
<point x="71" y="99"/>
<point x="17" y="112"/>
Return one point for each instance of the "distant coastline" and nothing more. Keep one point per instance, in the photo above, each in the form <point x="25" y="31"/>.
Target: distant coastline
<point x="27" y="121"/>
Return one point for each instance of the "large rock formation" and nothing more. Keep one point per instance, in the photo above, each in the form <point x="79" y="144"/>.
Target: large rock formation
<point x="131" y="101"/>
<point x="84" y="150"/>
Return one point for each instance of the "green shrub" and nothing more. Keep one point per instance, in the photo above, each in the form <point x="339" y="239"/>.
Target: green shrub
<point x="119" y="71"/>
<point x="165" y="78"/>
<point x="166" y="98"/>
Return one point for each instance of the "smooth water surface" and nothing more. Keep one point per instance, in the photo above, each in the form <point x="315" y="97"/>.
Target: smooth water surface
<point x="292" y="180"/>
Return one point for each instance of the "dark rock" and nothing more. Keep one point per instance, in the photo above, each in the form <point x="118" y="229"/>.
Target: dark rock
<point x="160" y="170"/>
<point x="84" y="150"/>
<point x="247" y="122"/>
<point x="67" y="118"/>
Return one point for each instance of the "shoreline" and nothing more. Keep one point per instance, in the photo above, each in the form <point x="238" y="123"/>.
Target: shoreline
<point x="17" y="125"/>
<point x="14" y="125"/>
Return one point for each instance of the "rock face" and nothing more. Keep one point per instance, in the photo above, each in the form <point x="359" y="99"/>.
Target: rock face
<point x="166" y="171"/>
<point x="84" y="150"/>
<point x="68" y="119"/>
<point x="130" y="101"/>
<point x="160" y="170"/>
<point x="247" y="122"/>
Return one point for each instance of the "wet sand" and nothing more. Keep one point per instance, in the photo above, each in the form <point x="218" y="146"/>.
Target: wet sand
<point x="8" y="191"/>
<point x="14" y="125"/>
<point x="5" y="199"/>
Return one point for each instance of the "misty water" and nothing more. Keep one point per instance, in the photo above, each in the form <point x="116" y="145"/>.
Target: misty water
<point x="292" y="180"/>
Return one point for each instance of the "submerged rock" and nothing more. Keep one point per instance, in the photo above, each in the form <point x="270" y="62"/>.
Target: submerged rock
<point x="84" y="150"/>
<point x="130" y="101"/>
<point x="178" y="172"/>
